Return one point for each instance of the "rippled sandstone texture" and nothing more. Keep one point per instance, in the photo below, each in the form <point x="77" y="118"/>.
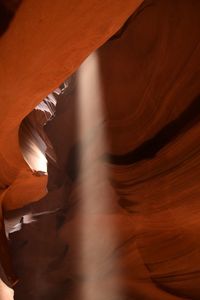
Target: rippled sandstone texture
<point x="150" y="79"/>
<point x="42" y="47"/>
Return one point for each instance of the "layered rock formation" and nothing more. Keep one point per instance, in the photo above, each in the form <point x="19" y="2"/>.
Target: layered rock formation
<point x="26" y="78"/>
<point x="120" y="220"/>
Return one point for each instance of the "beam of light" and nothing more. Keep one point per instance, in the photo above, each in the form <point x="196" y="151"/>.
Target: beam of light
<point x="98" y="235"/>
<point x="6" y="293"/>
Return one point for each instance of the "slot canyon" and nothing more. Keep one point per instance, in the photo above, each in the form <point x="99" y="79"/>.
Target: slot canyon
<point x="100" y="150"/>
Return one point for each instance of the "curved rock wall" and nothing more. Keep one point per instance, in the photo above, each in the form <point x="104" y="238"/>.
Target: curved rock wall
<point x="150" y="82"/>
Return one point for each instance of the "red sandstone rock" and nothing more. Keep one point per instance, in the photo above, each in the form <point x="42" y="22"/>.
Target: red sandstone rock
<point x="150" y="80"/>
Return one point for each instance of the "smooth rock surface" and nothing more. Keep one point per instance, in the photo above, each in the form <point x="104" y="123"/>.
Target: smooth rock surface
<point x="145" y="243"/>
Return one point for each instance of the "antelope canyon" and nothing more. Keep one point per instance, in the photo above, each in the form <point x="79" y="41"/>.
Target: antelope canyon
<point x="99" y="150"/>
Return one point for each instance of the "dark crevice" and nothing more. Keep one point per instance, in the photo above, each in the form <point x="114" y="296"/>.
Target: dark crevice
<point x="73" y="165"/>
<point x="7" y="12"/>
<point x="121" y="31"/>
<point x="148" y="150"/>
<point x="125" y="26"/>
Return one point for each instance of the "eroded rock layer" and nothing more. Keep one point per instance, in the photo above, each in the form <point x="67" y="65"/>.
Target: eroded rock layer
<point x="145" y="243"/>
<point x="41" y="47"/>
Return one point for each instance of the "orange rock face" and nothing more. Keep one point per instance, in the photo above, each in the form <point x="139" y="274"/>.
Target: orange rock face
<point x="27" y="78"/>
<point x="46" y="27"/>
<point x="121" y="218"/>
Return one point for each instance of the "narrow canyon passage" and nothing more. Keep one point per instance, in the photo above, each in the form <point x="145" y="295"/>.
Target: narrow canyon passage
<point x="121" y="217"/>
